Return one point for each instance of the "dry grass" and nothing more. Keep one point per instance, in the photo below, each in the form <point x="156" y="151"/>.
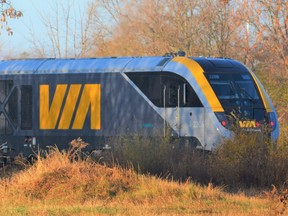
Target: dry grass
<point x="59" y="185"/>
<point x="248" y="161"/>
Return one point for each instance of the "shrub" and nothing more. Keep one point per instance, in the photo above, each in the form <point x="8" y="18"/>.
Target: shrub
<point x="248" y="161"/>
<point x="165" y="157"/>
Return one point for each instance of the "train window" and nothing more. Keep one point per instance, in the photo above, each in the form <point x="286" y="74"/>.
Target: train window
<point x="180" y="92"/>
<point x="190" y="98"/>
<point x="166" y="89"/>
<point x="173" y="95"/>
<point x="26" y="107"/>
<point x="149" y="84"/>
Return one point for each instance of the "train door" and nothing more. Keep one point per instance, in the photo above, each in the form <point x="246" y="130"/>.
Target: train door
<point x="172" y="91"/>
<point x="182" y="107"/>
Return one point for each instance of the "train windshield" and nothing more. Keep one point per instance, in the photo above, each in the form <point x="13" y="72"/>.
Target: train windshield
<point x="232" y="87"/>
<point x="238" y="95"/>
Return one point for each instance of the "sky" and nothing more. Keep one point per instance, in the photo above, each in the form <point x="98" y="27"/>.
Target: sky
<point x="18" y="43"/>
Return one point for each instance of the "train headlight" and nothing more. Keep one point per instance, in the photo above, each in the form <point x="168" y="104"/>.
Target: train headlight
<point x="223" y="119"/>
<point x="272" y="120"/>
<point x="258" y="124"/>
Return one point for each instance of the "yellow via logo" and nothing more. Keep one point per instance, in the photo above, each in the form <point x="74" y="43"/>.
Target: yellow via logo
<point x="49" y="114"/>
<point x="247" y="124"/>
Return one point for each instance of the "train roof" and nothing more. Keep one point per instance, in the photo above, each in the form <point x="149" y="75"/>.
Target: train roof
<point x="83" y="65"/>
<point x="220" y="65"/>
<point x="112" y="64"/>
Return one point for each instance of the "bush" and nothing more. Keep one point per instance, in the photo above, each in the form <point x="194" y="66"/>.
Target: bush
<point x="165" y="157"/>
<point x="247" y="161"/>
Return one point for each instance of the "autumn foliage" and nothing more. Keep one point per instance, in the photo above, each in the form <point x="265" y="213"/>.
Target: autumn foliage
<point x="7" y="11"/>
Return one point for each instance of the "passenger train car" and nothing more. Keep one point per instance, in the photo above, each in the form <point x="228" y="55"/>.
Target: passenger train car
<point x="198" y="100"/>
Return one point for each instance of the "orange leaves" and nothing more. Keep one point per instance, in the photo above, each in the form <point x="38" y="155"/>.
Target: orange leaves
<point x="8" y="11"/>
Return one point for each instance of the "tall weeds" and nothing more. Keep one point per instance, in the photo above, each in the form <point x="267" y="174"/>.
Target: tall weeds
<point x="165" y="157"/>
<point x="60" y="183"/>
<point x="59" y="173"/>
<point x="247" y="161"/>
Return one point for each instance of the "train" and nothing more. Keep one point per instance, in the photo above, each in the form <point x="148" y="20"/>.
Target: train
<point x="198" y="100"/>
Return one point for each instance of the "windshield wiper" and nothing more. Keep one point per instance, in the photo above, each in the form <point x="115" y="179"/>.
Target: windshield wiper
<point x="233" y="90"/>
<point x="243" y="91"/>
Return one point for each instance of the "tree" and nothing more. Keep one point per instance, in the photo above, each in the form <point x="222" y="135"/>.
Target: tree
<point x="147" y="27"/>
<point x="271" y="24"/>
<point x="7" y="11"/>
<point x="68" y="30"/>
<point x="154" y="27"/>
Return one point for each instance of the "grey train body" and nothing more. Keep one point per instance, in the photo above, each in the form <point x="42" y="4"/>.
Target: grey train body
<point x="52" y="101"/>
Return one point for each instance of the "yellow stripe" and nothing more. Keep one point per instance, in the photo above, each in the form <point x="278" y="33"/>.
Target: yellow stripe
<point x="262" y="94"/>
<point x="69" y="107"/>
<point x="198" y="73"/>
<point x="91" y="98"/>
<point x="49" y="115"/>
